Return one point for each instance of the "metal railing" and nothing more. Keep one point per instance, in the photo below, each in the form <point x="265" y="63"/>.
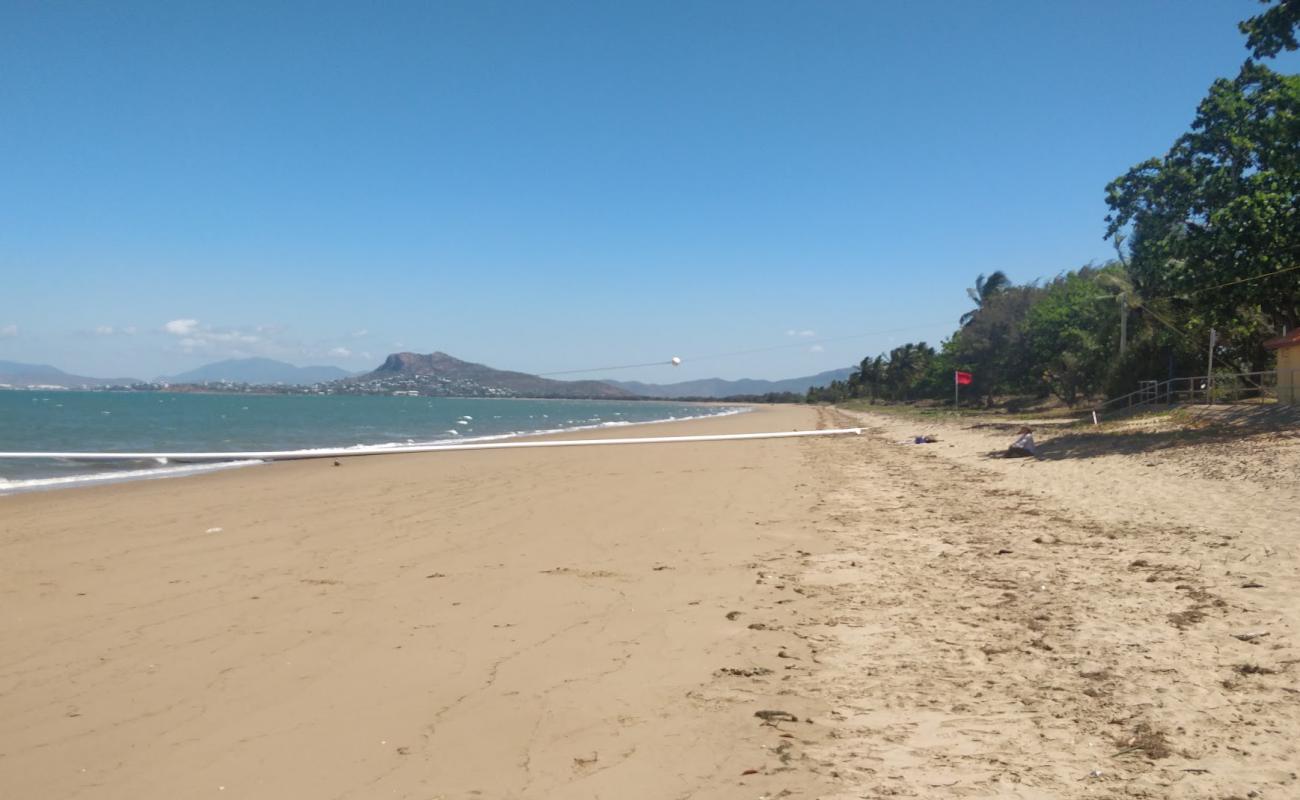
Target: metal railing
<point x="1221" y="387"/>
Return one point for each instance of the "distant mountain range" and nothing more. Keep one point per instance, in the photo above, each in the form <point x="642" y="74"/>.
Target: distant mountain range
<point x="13" y="373"/>
<point x="439" y="374"/>
<point x="717" y="387"/>
<point x="259" y="371"/>
<point x="435" y="375"/>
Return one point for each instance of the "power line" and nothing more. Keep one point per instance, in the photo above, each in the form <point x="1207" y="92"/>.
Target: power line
<point x="607" y="369"/>
<point x="809" y="342"/>
<point x="1142" y="304"/>
<point x="1244" y="280"/>
<point x="751" y="351"/>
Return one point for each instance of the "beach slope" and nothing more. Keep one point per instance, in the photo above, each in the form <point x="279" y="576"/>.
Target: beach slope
<point x="485" y="624"/>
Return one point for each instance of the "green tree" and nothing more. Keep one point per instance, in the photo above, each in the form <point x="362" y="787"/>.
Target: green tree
<point x="868" y="378"/>
<point x="1273" y="31"/>
<point x="907" y="369"/>
<point x="993" y="347"/>
<point x="1216" y="221"/>
<point x="1073" y="335"/>
<point x="984" y="289"/>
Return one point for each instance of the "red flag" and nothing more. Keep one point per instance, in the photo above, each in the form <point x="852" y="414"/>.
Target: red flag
<point x="962" y="378"/>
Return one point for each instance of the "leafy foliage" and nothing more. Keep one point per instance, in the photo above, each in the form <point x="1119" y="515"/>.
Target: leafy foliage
<point x="992" y="345"/>
<point x="1273" y="31"/>
<point x="1213" y="240"/>
<point x="1216" y="215"/>
<point x="907" y="373"/>
<point x="1073" y="335"/>
<point x="984" y="290"/>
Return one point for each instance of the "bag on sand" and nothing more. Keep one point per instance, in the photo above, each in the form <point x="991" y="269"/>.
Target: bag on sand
<point x="1023" y="447"/>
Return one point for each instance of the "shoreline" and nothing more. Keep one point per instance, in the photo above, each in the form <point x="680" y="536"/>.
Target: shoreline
<point x="502" y="623"/>
<point x="183" y="469"/>
<point x="820" y="617"/>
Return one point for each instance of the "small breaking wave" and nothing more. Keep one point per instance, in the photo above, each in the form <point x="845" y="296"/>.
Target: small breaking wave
<point x="116" y="476"/>
<point x="453" y="436"/>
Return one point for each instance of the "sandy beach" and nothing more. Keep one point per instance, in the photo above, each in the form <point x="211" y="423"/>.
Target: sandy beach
<point x="1118" y="619"/>
<point x="495" y="624"/>
<point x="848" y="617"/>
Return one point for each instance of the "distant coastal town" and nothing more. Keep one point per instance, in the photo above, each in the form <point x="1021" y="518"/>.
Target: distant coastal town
<point x="410" y="375"/>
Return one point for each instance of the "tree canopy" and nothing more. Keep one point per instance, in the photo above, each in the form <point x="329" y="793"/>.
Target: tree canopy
<point x="1273" y="31"/>
<point x="1217" y="214"/>
<point x="1212" y="233"/>
<point x="984" y="289"/>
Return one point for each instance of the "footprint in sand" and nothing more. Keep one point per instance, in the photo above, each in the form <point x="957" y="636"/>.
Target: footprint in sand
<point x="580" y="573"/>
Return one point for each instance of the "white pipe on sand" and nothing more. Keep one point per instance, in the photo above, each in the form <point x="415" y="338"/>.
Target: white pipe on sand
<point x="338" y="452"/>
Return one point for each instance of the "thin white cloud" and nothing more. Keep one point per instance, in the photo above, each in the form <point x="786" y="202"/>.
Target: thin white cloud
<point x="357" y="334"/>
<point x="181" y="327"/>
<point x="9" y="331"/>
<point x="816" y="349"/>
<point x="228" y="337"/>
<point x="802" y="334"/>
<point x="192" y="336"/>
<point x="110" y="330"/>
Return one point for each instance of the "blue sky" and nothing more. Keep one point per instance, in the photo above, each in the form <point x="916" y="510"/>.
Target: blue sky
<point x="552" y="186"/>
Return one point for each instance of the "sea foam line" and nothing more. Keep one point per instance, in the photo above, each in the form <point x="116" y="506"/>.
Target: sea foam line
<point x="293" y="455"/>
<point x="616" y="423"/>
<point x="90" y="479"/>
<point x="219" y="461"/>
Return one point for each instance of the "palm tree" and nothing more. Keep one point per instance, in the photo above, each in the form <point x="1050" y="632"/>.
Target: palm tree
<point x="1120" y="286"/>
<point x="984" y="289"/>
<point x="867" y="378"/>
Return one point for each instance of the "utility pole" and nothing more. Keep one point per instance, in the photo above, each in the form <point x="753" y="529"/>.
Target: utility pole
<point x="1123" y="323"/>
<point x="1209" y="372"/>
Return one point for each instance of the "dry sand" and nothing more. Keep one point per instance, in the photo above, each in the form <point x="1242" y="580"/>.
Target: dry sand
<point x="1063" y="628"/>
<point x="605" y="623"/>
<point x="489" y="624"/>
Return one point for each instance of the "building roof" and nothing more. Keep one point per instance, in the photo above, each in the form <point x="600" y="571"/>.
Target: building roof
<point x="1291" y="339"/>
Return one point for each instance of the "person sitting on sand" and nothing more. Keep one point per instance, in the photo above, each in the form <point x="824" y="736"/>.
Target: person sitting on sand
<point x="1024" y="446"/>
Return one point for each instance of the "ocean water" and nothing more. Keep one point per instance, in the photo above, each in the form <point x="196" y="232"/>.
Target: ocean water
<point x="53" y="421"/>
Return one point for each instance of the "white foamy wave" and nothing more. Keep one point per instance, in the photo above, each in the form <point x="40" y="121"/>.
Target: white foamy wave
<point x="460" y="439"/>
<point x="617" y="423"/>
<point x="69" y="481"/>
<point x="451" y="436"/>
